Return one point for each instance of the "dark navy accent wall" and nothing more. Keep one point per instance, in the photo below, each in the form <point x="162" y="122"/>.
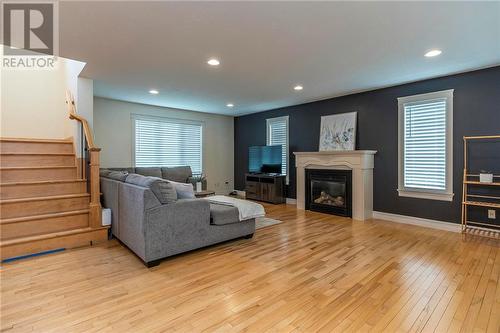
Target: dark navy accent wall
<point x="476" y="111"/>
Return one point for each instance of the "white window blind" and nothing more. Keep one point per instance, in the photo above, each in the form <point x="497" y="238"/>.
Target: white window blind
<point x="425" y="144"/>
<point x="167" y="142"/>
<point x="425" y="141"/>
<point x="277" y="134"/>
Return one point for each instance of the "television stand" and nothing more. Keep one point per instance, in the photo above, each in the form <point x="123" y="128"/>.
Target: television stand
<point x="265" y="187"/>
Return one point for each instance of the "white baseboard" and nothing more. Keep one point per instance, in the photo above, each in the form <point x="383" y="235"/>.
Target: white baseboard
<point x="434" y="224"/>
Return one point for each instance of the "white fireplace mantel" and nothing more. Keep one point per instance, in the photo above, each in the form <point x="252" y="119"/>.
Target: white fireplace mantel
<point x="361" y="164"/>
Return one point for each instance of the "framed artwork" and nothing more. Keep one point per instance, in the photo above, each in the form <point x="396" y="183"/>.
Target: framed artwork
<point x="338" y="132"/>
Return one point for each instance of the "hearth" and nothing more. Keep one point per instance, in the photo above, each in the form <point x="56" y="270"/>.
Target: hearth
<point x="329" y="191"/>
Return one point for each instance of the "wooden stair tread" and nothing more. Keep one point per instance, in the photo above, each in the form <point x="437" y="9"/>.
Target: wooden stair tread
<point x="43" y="182"/>
<point x="35" y="238"/>
<point x="37" y="168"/>
<point x="52" y="197"/>
<point x="37" y="154"/>
<point x="36" y="140"/>
<point x="43" y="216"/>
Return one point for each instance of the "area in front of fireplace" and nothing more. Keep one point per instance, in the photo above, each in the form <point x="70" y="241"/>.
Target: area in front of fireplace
<point x="329" y="191"/>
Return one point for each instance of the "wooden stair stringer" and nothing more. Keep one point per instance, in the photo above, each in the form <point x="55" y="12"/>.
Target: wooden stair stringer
<point x="65" y="239"/>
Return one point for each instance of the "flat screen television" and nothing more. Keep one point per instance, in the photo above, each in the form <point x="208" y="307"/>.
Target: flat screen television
<point x="265" y="159"/>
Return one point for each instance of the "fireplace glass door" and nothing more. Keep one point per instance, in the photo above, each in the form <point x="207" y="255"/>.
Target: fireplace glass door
<point x="329" y="191"/>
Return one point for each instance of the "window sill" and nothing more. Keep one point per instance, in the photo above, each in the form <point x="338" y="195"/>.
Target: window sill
<point x="426" y="195"/>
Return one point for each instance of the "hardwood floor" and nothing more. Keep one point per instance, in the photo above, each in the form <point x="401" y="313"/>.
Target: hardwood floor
<point x="314" y="272"/>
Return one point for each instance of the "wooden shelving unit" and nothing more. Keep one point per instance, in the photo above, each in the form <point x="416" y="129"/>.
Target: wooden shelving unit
<point x="482" y="204"/>
<point x="470" y="180"/>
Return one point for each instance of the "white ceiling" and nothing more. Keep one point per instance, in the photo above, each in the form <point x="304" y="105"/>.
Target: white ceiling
<point x="265" y="48"/>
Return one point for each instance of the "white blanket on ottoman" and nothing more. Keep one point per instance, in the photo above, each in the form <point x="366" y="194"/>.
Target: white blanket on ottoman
<point x="247" y="209"/>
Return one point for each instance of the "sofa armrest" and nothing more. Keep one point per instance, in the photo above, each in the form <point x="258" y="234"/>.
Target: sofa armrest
<point x="176" y="227"/>
<point x="133" y="203"/>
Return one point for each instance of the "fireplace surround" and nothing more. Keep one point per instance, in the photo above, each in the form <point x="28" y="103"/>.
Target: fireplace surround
<point x="358" y="162"/>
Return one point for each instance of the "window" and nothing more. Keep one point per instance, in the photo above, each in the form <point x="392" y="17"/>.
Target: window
<point x="425" y="145"/>
<point x="167" y="142"/>
<point x="277" y="134"/>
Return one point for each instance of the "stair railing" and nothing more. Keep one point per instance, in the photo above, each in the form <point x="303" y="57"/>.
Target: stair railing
<point x="90" y="161"/>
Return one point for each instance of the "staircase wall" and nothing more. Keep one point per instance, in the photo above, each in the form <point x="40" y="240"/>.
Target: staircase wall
<point x="33" y="101"/>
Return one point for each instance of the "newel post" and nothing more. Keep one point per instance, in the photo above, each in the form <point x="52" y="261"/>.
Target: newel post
<point x="95" y="192"/>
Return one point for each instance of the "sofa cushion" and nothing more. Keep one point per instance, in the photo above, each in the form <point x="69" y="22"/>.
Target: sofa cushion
<point x="149" y="171"/>
<point x="184" y="191"/>
<point x="163" y="190"/>
<point x="129" y="170"/>
<point x="222" y="214"/>
<point x="118" y="175"/>
<point x="177" y="174"/>
<point x="104" y="172"/>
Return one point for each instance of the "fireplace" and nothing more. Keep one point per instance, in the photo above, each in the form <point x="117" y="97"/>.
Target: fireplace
<point x="360" y="162"/>
<point x="329" y="191"/>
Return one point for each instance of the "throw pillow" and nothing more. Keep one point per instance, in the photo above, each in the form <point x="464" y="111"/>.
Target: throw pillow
<point x="165" y="189"/>
<point x="184" y="191"/>
<point x="162" y="189"/>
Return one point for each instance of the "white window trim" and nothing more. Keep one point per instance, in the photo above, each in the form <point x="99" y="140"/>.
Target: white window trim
<point x="135" y="116"/>
<point x="268" y="139"/>
<point x="444" y="195"/>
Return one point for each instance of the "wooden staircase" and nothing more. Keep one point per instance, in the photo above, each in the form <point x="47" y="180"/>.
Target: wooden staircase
<point x="44" y="201"/>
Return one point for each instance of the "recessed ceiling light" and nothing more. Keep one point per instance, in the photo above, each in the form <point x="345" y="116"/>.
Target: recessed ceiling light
<point x="433" y="53"/>
<point x="154" y="92"/>
<point x="213" y="62"/>
<point x="229" y="105"/>
<point x="298" y="87"/>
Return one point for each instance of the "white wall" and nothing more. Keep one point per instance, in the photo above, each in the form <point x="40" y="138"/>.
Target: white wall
<point x="113" y="133"/>
<point x="85" y="100"/>
<point x="33" y="101"/>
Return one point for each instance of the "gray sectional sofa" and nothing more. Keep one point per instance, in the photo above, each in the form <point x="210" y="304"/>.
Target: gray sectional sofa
<point x="154" y="225"/>
<point x="182" y="174"/>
